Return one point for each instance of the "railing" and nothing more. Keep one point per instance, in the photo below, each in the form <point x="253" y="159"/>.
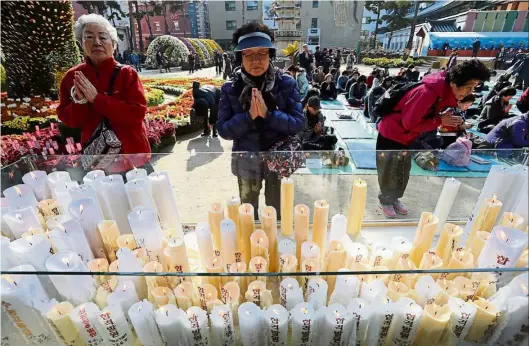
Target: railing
<point x="288" y="33"/>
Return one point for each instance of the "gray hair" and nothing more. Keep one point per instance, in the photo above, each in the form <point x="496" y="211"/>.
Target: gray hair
<point x="94" y="19"/>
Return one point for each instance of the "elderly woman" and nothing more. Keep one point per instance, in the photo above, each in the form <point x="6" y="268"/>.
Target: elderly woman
<point x="99" y="90"/>
<point x="259" y="108"/>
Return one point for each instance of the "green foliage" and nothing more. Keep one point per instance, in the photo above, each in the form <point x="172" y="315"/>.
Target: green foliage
<point x="385" y="62"/>
<point x="3" y="80"/>
<point x="176" y="56"/>
<point x="154" y="97"/>
<point x="197" y="48"/>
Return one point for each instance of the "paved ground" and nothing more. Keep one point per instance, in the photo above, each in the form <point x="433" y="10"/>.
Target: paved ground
<point x="200" y="171"/>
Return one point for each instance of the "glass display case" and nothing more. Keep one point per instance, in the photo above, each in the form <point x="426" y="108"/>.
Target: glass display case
<point x="175" y="257"/>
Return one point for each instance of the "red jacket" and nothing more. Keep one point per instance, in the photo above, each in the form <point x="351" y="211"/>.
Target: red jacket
<point x="125" y="110"/>
<point x="408" y="121"/>
<point x="369" y="80"/>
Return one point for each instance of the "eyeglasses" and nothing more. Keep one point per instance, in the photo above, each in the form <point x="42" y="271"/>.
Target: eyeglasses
<point x="90" y="38"/>
<point x="256" y="57"/>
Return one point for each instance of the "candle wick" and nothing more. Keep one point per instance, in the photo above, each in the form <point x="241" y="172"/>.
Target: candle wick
<point x="30" y="243"/>
<point x="166" y="313"/>
<point x="15" y="283"/>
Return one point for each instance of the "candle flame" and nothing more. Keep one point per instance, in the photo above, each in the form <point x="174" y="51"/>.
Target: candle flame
<point x="259" y="240"/>
<point x="275" y="311"/>
<point x="81" y="209"/>
<point x="524" y="289"/>
<point x="19" y="193"/>
<point x="124" y="288"/>
<point x="503" y="236"/>
<point x="99" y="263"/>
<point x="10" y="279"/>
<point x="33" y="175"/>
<point x="304" y="310"/>
<point x="65" y="261"/>
<point x="289" y="286"/>
<point x="139" y="308"/>
<point x="338" y="246"/>
<point x="494" y="197"/>
<point x="336" y="313"/>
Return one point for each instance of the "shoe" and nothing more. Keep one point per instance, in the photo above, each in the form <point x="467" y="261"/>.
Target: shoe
<point x="400" y="208"/>
<point x="204" y="135"/>
<point x="388" y="211"/>
<point x="215" y="135"/>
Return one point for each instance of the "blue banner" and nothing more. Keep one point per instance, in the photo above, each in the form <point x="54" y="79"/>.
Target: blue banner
<point x="193" y="22"/>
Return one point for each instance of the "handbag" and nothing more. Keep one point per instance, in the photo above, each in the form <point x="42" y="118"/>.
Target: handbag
<point x="284" y="157"/>
<point x="103" y="146"/>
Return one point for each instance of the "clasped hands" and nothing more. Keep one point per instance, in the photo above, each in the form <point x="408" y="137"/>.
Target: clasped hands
<point x="84" y="89"/>
<point x="258" y="107"/>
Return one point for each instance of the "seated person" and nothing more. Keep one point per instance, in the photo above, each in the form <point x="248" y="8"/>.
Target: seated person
<point x="371" y="77"/>
<point x="312" y="92"/>
<point x="206" y="98"/>
<point x="357" y="92"/>
<point x="523" y="102"/>
<point x="314" y="137"/>
<point x="303" y="82"/>
<point x="328" y="89"/>
<point x="450" y="134"/>
<point x="510" y="133"/>
<point x="413" y="74"/>
<point x="496" y="109"/>
<point x="495" y="90"/>
<point x="352" y="80"/>
<point x="342" y="81"/>
<point x="373" y="95"/>
<point x="334" y="73"/>
<point x="319" y="76"/>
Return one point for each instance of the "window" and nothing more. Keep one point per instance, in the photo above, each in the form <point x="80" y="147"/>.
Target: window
<point x="298" y="25"/>
<point x="252" y="5"/>
<point x="231" y="24"/>
<point x="176" y="25"/>
<point x="229" y="5"/>
<point x="157" y="25"/>
<point x="314" y="23"/>
<point x="515" y="6"/>
<point x="315" y="4"/>
<point x="366" y="20"/>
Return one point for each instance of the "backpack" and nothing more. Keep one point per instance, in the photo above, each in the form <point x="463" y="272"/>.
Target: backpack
<point x="387" y="102"/>
<point x="458" y="153"/>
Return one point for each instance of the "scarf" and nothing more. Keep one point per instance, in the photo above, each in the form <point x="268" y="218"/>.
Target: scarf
<point x="267" y="84"/>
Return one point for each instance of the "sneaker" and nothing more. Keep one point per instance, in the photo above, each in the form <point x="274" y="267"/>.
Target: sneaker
<point x="204" y="135"/>
<point x="215" y="135"/>
<point x="388" y="211"/>
<point x="400" y="208"/>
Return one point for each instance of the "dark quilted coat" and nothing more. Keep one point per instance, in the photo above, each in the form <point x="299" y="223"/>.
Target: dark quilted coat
<point x="234" y="123"/>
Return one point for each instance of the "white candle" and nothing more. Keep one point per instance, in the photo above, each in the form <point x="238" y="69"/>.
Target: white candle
<point x="518" y="287"/>
<point x="406" y="318"/>
<point x="228" y="239"/>
<point x="381" y="255"/>
<point x="259" y="294"/>
<point x="373" y="290"/>
<point x="84" y="317"/>
<point x="290" y="294"/>
<point x="337" y="326"/>
<point x="338" y="227"/>
<point x="461" y="319"/>
<point x="513" y="220"/>
<point x="205" y="242"/>
<point x="445" y="201"/>
<point x="55" y="221"/>
<point x="115" y="199"/>
<point x="347" y="287"/>
<point x="139" y="193"/>
<point x="142" y="318"/>
<point x="250" y="324"/>
<point x="197" y="332"/>
<point x="222" y="329"/>
<point x="360" y="310"/>
<point x="38" y="182"/>
<point x="379" y="321"/>
<point x="75" y="288"/>
<point x="69" y="236"/>
<point x="128" y="263"/>
<point x="114" y="327"/>
<point x="302" y="317"/>
<point x="426" y="289"/>
<point x="356" y="253"/>
<point x="136" y="173"/>
<point x="169" y="320"/>
<point x="147" y="232"/>
<point x="517" y="314"/>
<point x="310" y="249"/>
<point x="164" y="201"/>
<point x="85" y="191"/>
<point x="215" y="215"/>
<point x="57" y="178"/>
<point x="21" y="196"/>
<point x="316" y="293"/>
<point x="401" y="247"/>
<point x="8" y="260"/>
<point x="124" y="296"/>
<point x="87" y="212"/>
<point x="4" y="209"/>
<point x="34" y="250"/>
<point x="62" y="194"/>
<point x="276" y="321"/>
<point x="286" y="247"/>
<point x="20" y="221"/>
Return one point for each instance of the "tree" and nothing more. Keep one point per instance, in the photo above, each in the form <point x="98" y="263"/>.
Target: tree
<point x="376" y="7"/>
<point x="396" y="16"/>
<point x="148" y="13"/>
<point x="409" y="45"/>
<point x="138" y="14"/>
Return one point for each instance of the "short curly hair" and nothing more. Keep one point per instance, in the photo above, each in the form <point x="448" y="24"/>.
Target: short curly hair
<point x="468" y="70"/>
<point x="247" y="29"/>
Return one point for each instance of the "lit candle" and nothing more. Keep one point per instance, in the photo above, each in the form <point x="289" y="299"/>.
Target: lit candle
<point x="84" y="317"/>
<point x="21" y="196"/>
<point x="147" y="232"/>
<point x="164" y="201"/>
<point x="85" y="191"/>
<point x="309" y="265"/>
<point x="136" y="173"/>
<point x="99" y="265"/>
<point x="205" y="242"/>
<point x="175" y="259"/>
<point x="49" y="208"/>
<point x="360" y="310"/>
<point x="215" y="215"/>
<point x="290" y="294"/>
<point x="379" y="321"/>
<point x="448" y="241"/>
<point x="154" y="281"/>
<point x="269" y="224"/>
<point x="490" y="209"/>
<point x="222" y="329"/>
<point x="87" y="212"/>
<point x="168" y="234"/>
<point x="242" y="281"/>
<point x="301" y="227"/>
<point x="34" y="250"/>
<point x="103" y="292"/>
<point x="485" y="322"/>
<point x="316" y="293"/>
<point x="373" y="290"/>
<point x="60" y="320"/>
<point x="426" y="289"/>
<point x="109" y="233"/>
<point x="461" y="318"/>
<point x="228" y="239"/>
<point x="38" y="182"/>
<point x="430" y="261"/>
<point x="8" y="260"/>
<point x="338" y="227"/>
<point x="423" y="236"/>
<point x="357" y="207"/>
<point x="276" y="322"/>
<point x="433" y="324"/>
<point x="141" y="254"/>
<point x="303" y="324"/>
<point x="336" y="326"/>
<point x="382" y="277"/>
<point x="126" y="241"/>
<point x="381" y="255"/>
<point x="214" y="266"/>
<point x="478" y="242"/>
<point x="4" y="209"/>
<point x="258" y="294"/>
<point x="115" y="199"/>
<point x="319" y="228"/>
<point x="406" y="319"/>
<point x="397" y="290"/>
<point x="124" y="296"/>
<point x="512" y="220"/>
<point x="445" y="201"/>
<point x="56" y="220"/>
<point x="231" y="296"/>
<point x="250" y="320"/>
<point x="286" y="247"/>
<point x="356" y="253"/>
<point x="334" y="260"/>
<point x="258" y="265"/>
<point x="93" y="177"/>
<point x="128" y="263"/>
<point x="461" y="259"/>
<point x="247" y="225"/>
<point x="515" y="327"/>
<point x="347" y="287"/>
<point x="162" y="296"/>
<point x="57" y="178"/>
<point x="408" y="279"/>
<point x="186" y="295"/>
<point x="486" y="284"/>
<point x="310" y="249"/>
<point x="114" y="327"/>
<point x="232" y="209"/>
<point x="288" y="264"/>
<point x="20" y="221"/>
<point x="523" y="261"/>
<point x="287" y="206"/>
<point x="259" y="244"/>
<point x="139" y="193"/>
<point x="62" y="194"/>
<point x="197" y="326"/>
<point x="401" y="248"/>
<point x="448" y="290"/>
<point x="142" y="318"/>
<point x="169" y="321"/>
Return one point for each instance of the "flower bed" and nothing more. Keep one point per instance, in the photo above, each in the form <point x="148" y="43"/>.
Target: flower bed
<point x="385" y="62"/>
<point x="154" y="96"/>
